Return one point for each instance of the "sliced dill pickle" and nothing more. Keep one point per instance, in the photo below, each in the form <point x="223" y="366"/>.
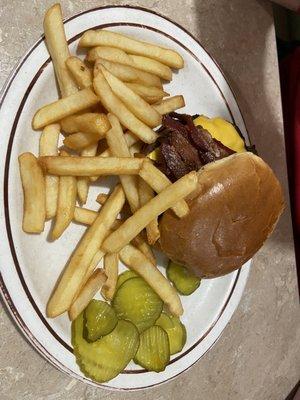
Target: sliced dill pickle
<point x="175" y="329"/>
<point x="184" y="281"/>
<point x="100" y="319"/>
<point x="124" y="276"/>
<point x="105" y="358"/>
<point x="137" y="302"/>
<point x="154" y="349"/>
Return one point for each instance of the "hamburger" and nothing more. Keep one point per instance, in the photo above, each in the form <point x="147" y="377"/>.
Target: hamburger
<point x="236" y="205"/>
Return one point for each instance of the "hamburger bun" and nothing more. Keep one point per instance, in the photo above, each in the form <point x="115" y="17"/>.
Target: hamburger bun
<point x="233" y="211"/>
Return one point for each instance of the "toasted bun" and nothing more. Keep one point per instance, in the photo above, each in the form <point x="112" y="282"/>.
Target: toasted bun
<point x="232" y="213"/>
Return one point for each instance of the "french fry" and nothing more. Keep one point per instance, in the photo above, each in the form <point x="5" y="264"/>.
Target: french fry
<point x="67" y="192"/>
<point x="158" y="181"/>
<point x="81" y="74"/>
<point x="102" y="37"/>
<point x="118" y="148"/>
<point x="147" y="79"/>
<point x="130" y="138"/>
<point x="82" y="189"/>
<point x="84" y="215"/>
<point x="110" y="54"/>
<point x="112" y="103"/>
<point x="137" y="262"/>
<point x="168" y="105"/>
<point x="62" y="108"/>
<point x="83" y="183"/>
<point x="146" y="193"/>
<point x="101" y="198"/>
<point x="80" y="141"/>
<point x="119" y="61"/>
<point x="144" y="247"/>
<point x="91" y="287"/>
<point x="144" y="215"/>
<point x="138" y="106"/>
<point x="152" y="66"/>
<point x="93" y="123"/>
<point x="33" y="183"/>
<point x="48" y="147"/>
<point x="87" y="217"/>
<point x="135" y="148"/>
<point x="111" y="264"/>
<point x="124" y="72"/>
<point x="90" y="166"/>
<point x="151" y="94"/>
<point x="73" y="276"/>
<point x="95" y="262"/>
<point x="58" y="49"/>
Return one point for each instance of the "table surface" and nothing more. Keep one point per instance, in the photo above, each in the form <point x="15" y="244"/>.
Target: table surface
<point x="258" y="355"/>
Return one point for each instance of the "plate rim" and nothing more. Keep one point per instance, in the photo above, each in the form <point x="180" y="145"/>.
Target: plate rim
<point x="4" y="291"/>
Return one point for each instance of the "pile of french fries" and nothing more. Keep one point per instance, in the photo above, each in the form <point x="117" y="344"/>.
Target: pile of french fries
<point x="109" y="105"/>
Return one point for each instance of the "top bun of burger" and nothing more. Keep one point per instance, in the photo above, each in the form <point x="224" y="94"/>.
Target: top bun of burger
<point x="232" y="213"/>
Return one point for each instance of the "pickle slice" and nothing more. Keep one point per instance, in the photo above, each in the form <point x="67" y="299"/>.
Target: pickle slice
<point x="175" y="330"/>
<point x="154" y="349"/>
<point x="100" y="319"/>
<point x="105" y="358"/>
<point x="137" y="302"/>
<point x="184" y="281"/>
<point x="124" y="276"/>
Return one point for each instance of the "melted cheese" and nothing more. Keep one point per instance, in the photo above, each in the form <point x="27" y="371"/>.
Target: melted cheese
<point x="223" y="131"/>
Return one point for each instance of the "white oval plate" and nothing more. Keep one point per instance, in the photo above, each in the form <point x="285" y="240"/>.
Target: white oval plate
<point x="30" y="264"/>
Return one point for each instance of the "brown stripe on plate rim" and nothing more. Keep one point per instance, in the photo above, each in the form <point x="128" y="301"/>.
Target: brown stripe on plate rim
<point x="9" y="153"/>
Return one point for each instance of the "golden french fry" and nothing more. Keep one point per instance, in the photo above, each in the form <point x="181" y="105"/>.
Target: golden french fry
<point x="136" y="261"/>
<point x="118" y="148"/>
<point x="130" y="140"/>
<point x="109" y="54"/>
<point x="112" y="103"/>
<point x="84" y="215"/>
<point x="158" y="181"/>
<point x="152" y="66"/>
<point x="138" y="106"/>
<point x="168" y="105"/>
<point x="48" y="147"/>
<point x="138" y="62"/>
<point x="93" y="123"/>
<point x="90" y="166"/>
<point x="95" y="261"/>
<point x="111" y="264"/>
<point x="67" y="192"/>
<point x="101" y="198"/>
<point x="151" y="94"/>
<point x="135" y="148"/>
<point x="62" y="108"/>
<point x="119" y="61"/>
<point x="147" y="79"/>
<point x="74" y="274"/>
<point x="102" y="37"/>
<point x="58" y="49"/>
<point x="81" y="74"/>
<point x="143" y="216"/>
<point x="33" y="183"/>
<point x="83" y="189"/>
<point x="80" y="141"/>
<point x="88" y="291"/>
<point x="144" y="247"/>
<point x="87" y="217"/>
<point x="124" y="72"/>
<point x="146" y="193"/>
<point x="83" y="183"/>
